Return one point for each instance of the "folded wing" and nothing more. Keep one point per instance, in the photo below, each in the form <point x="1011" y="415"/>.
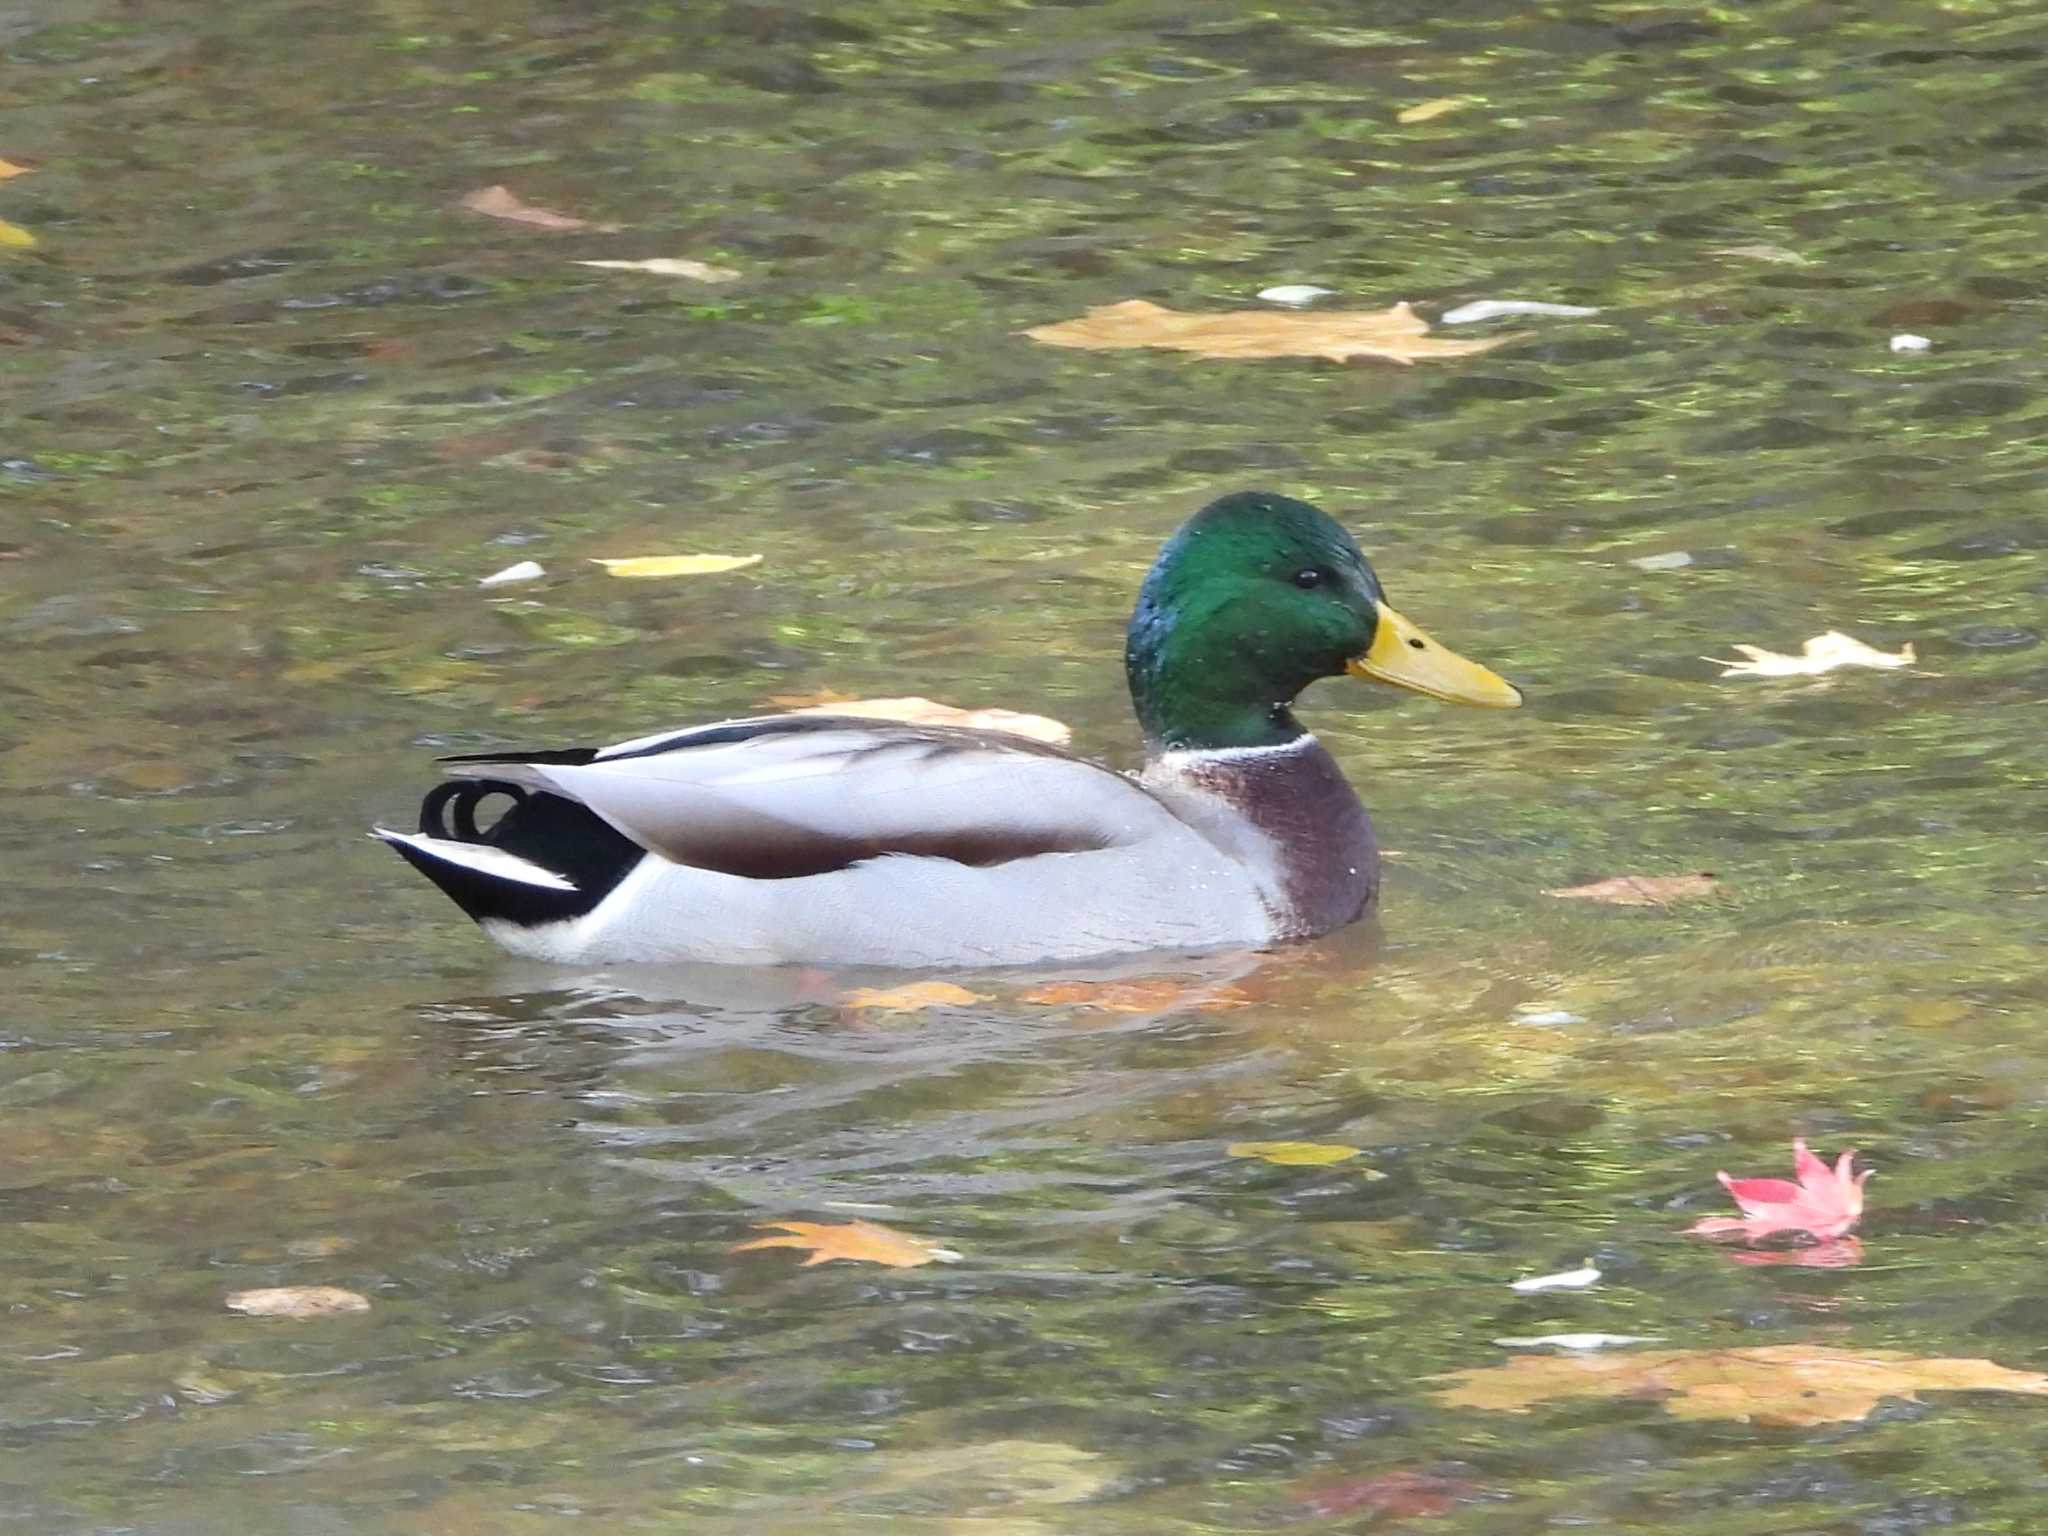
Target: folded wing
<point x="782" y="796"/>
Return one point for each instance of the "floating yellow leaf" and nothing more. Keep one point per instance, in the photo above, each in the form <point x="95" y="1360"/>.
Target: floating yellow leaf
<point x="864" y="1242"/>
<point x="911" y="998"/>
<point x="15" y="235"/>
<point x="669" y="266"/>
<point x="1785" y="1384"/>
<point x="9" y="170"/>
<point x="1397" y="335"/>
<point x="919" y="711"/>
<point x="1823" y="653"/>
<point x="1642" y="890"/>
<point x="1423" y="111"/>
<point x="297" y="1301"/>
<point x="1293" y="1154"/>
<point x="676" y="565"/>
<point x="1150" y="995"/>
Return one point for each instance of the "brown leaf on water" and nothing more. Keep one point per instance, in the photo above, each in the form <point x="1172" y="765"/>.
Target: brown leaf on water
<point x="9" y="170"/>
<point x="1396" y="335"/>
<point x="297" y="1301"/>
<point x="909" y="999"/>
<point x="1157" y="994"/>
<point x="1403" y="1494"/>
<point x="919" y="711"/>
<point x="1643" y="890"/>
<point x="865" y="1242"/>
<point x="1909" y="314"/>
<point x="1784" y="1384"/>
<point x="500" y="202"/>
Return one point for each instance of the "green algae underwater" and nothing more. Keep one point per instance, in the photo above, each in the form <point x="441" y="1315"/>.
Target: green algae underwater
<point x="275" y="402"/>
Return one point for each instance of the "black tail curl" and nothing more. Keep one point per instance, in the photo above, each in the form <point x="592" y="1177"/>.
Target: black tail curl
<point x="461" y="798"/>
<point x="545" y="829"/>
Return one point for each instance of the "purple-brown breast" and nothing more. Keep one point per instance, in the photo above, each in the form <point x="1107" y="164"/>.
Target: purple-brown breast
<point x="1302" y="801"/>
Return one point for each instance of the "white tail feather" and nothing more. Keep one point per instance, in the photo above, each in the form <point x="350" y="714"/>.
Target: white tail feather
<point x="495" y="862"/>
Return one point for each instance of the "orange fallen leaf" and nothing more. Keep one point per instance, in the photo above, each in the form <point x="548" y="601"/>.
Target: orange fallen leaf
<point x="1784" y="1384"/>
<point x="865" y="1242"/>
<point x="1423" y="111"/>
<point x="297" y="1301"/>
<point x="1643" y="890"/>
<point x="1397" y="335"/>
<point x="1151" y="995"/>
<point x="9" y="170"/>
<point x="500" y="202"/>
<point x="911" y="998"/>
<point x="919" y="711"/>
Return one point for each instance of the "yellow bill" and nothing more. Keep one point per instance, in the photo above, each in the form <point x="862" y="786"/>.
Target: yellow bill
<point x="1403" y="655"/>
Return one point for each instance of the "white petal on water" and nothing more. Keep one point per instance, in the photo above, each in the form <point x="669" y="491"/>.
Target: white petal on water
<point x="1294" y="293"/>
<point x="1906" y="341"/>
<point x="1823" y="653"/>
<point x="1580" y="1342"/>
<point x="525" y="570"/>
<point x="1492" y="309"/>
<point x="1677" y="560"/>
<point x="1568" y="1280"/>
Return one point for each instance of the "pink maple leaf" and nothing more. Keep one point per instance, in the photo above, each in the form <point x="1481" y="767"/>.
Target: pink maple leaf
<point x="1825" y="1203"/>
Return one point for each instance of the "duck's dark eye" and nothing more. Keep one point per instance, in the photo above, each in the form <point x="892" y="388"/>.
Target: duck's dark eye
<point x="1310" y="578"/>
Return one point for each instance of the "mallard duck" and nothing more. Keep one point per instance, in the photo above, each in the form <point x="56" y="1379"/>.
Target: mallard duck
<point x="836" y="840"/>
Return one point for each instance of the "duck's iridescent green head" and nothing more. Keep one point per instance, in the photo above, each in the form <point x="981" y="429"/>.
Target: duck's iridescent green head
<point x="1254" y="598"/>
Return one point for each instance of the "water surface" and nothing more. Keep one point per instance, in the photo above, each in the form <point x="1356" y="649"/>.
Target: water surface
<point x="274" y="402"/>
